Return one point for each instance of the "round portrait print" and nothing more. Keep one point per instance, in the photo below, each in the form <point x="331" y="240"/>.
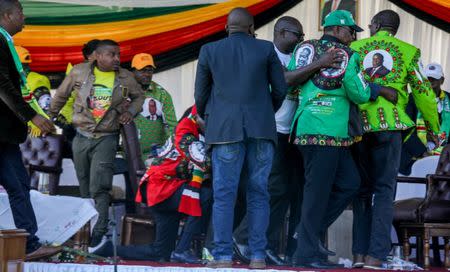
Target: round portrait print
<point x="378" y="63"/>
<point x="336" y="72"/>
<point x="304" y="55"/>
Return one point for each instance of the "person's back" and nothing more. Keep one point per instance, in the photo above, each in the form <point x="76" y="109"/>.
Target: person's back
<point x="402" y="59"/>
<point x="240" y="104"/>
<point x="239" y="85"/>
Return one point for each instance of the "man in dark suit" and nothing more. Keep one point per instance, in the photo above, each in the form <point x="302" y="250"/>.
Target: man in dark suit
<point x="239" y="86"/>
<point x="15" y="112"/>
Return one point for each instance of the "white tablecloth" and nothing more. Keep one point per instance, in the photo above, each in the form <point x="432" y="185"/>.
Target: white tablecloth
<point x="58" y="217"/>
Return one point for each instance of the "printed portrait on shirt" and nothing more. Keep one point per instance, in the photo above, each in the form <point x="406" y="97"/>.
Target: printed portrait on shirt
<point x="152" y="110"/>
<point x="377" y="63"/>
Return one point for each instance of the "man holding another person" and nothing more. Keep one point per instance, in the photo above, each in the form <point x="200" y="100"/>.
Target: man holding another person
<point x="385" y="124"/>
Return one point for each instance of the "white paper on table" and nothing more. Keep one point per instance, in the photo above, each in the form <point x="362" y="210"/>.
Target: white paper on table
<point x="58" y="217"/>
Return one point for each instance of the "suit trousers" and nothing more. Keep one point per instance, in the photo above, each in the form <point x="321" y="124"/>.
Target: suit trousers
<point x="14" y="178"/>
<point x="331" y="182"/>
<point x="378" y="157"/>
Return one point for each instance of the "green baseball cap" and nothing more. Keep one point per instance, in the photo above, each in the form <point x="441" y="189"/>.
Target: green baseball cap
<point x="341" y="18"/>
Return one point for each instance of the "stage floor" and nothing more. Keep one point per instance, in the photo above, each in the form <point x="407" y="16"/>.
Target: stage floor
<point x="140" y="266"/>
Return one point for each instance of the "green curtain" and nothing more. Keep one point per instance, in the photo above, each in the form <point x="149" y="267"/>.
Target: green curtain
<point x="44" y="13"/>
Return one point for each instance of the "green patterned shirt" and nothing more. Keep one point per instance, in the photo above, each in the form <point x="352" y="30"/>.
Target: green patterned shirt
<point x="157" y="120"/>
<point x="388" y="61"/>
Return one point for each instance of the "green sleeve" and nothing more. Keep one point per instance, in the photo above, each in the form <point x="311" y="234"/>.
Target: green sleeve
<point x="169" y="111"/>
<point x="356" y="87"/>
<point x="445" y="116"/>
<point x="423" y="94"/>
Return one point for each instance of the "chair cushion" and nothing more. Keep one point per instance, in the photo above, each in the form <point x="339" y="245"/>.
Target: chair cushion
<point x="406" y="209"/>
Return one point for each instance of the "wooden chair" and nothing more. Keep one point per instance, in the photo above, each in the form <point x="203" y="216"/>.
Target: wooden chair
<point x="429" y="216"/>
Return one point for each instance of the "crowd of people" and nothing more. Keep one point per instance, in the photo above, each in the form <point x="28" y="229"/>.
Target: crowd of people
<point x="297" y="126"/>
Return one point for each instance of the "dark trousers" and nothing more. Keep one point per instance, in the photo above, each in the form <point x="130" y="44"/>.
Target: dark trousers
<point x="167" y="220"/>
<point x="94" y="164"/>
<point x="285" y="190"/>
<point x="331" y="182"/>
<point x="378" y="157"/>
<point x="14" y="178"/>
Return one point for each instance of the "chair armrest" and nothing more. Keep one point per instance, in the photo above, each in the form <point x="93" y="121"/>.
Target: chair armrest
<point x="416" y="180"/>
<point x="45" y="169"/>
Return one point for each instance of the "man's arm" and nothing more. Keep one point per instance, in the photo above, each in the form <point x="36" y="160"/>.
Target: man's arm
<point x="203" y="82"/>
<point x="9" y="93"/>
<point x="276" y="80"/>
<point x="63" y="93"/>
<point x="356" y="87"/>
<point x="300" y="75"/>
<point x="423" y="94"/>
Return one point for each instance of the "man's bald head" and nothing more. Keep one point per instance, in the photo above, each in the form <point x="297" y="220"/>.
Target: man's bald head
<point x="240" y="20"/>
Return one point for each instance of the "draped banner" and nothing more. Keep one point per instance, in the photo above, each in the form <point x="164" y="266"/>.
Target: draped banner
<point x="435" y="12"/>
<point x="55" y="39"/>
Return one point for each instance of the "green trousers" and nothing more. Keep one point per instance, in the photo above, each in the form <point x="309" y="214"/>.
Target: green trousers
<point x="94" y="164"/>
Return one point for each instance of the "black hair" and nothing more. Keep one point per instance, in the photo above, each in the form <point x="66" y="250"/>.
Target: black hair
<point x="380" y="56"/>
<point x="286" y="22"/>
<point x="7" y="5"/>
<point x="387" y="19"/>
<point x="186" y="113"/>
<point x="103" y="43"/>
<point x="89" y="48"/>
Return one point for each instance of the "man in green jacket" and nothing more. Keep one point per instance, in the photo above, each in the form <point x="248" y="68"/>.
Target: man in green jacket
<point x="324" y="127"/>
<point x="157" y="120"/>
<point x="384" y="124"/>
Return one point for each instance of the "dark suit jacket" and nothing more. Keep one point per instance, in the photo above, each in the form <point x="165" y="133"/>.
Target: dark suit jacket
<point x="238" y="87"/>
<point x="14" y="111"/>
<point x="379" y="73"/>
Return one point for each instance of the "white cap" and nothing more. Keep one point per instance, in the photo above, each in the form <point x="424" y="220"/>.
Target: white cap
<point x="434" y="70"/>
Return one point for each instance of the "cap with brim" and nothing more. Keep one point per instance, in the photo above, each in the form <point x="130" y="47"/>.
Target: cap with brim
<point x="434" y="70"/>
<point x="142" y="60"/>
<point x="341" y="18"/>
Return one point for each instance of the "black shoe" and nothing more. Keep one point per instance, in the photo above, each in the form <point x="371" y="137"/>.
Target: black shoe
<point x="318" y="265"/>
<point x="273" y="258"/>
<point x="185" y="257"/>
<point x="106" y="250"/>
<point x="325" y="251"/>
<point x="241" y="252"/>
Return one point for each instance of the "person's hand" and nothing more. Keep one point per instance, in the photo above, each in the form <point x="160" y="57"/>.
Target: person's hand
<point x="46" y="126"/>
<point x="390" y="94"/>
<point x="125" y="118"/>
<point x="331" y="59"/>
<point x="431" y="137"/>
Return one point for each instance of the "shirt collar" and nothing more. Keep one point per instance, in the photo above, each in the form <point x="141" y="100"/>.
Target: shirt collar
<point x="383" y="33"/>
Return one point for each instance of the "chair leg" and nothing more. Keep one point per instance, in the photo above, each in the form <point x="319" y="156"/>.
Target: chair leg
<point x="426" y="249"/>
<point x="405" y="244"/>
<point x="436" y="252"/>
<point x="447" y="252"/>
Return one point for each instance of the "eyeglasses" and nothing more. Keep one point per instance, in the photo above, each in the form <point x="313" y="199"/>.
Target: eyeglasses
<point x="298" y="34"/>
